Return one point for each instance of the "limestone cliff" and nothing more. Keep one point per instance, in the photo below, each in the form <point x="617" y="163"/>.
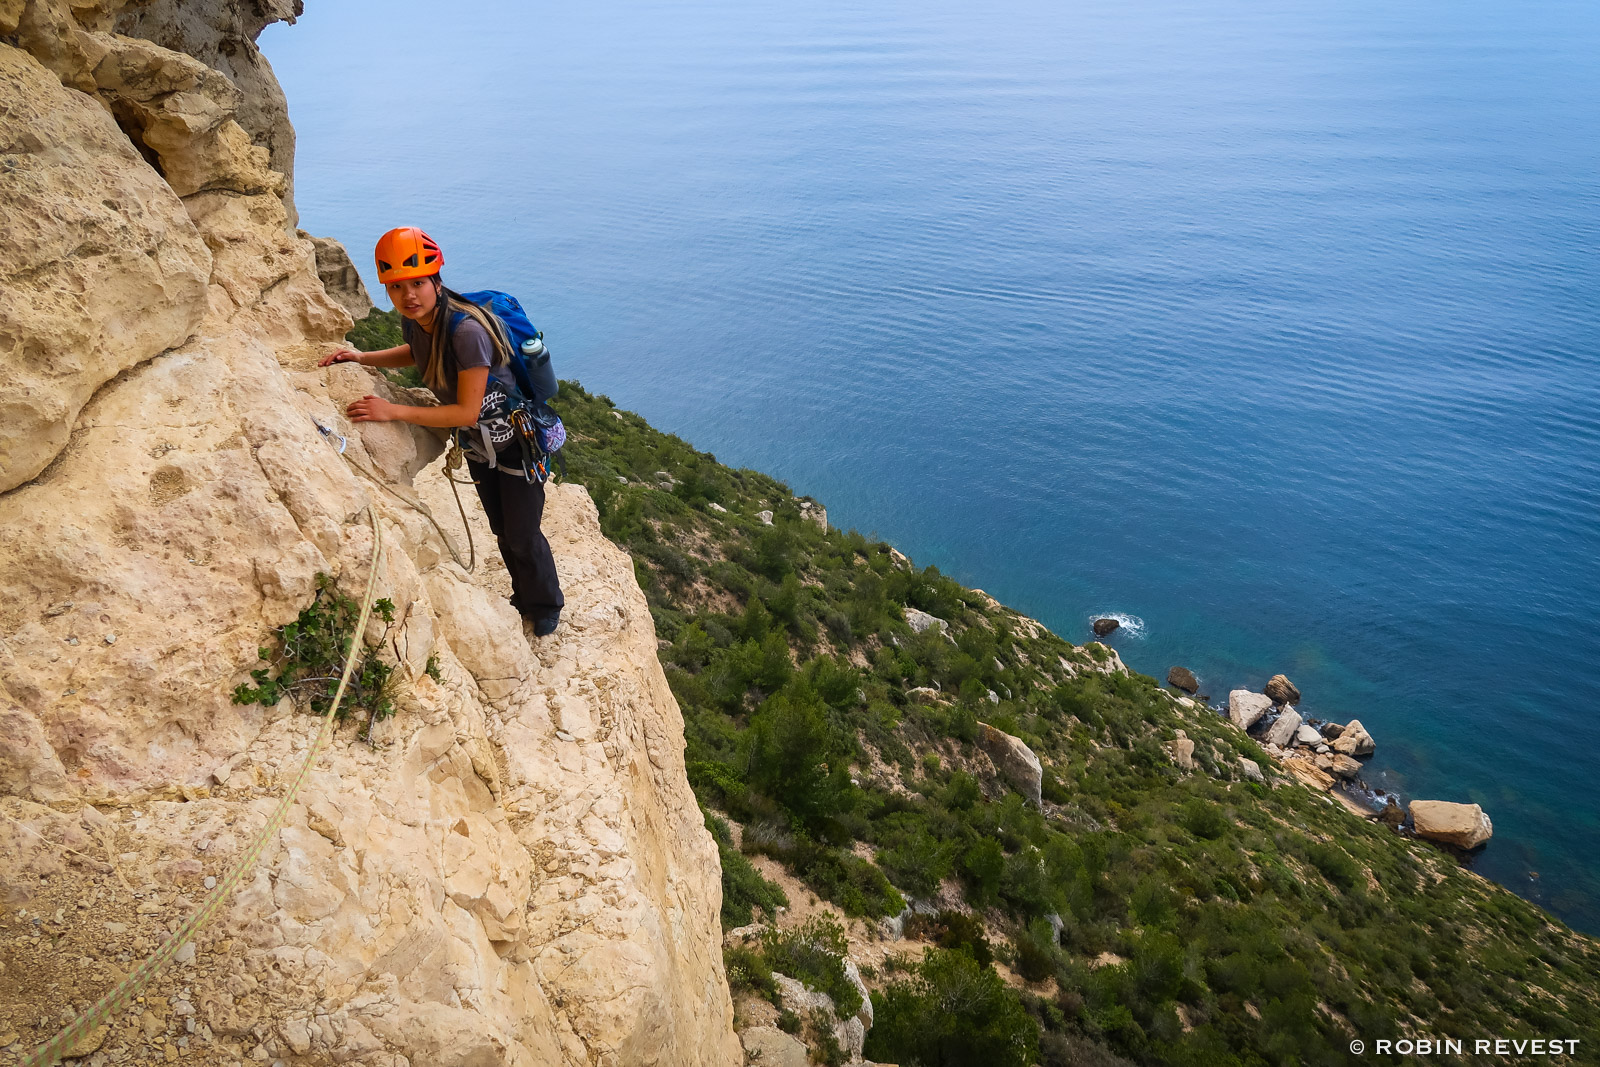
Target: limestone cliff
<point x="513" y="870"/>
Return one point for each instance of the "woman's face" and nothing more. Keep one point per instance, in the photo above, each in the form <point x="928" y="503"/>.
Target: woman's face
<point x="415" y="298"/>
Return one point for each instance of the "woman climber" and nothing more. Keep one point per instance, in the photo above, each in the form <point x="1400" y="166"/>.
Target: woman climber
<point x="454" y="348"/>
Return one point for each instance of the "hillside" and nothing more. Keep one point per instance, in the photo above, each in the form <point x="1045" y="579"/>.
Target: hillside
<point x="1146" y="911"/>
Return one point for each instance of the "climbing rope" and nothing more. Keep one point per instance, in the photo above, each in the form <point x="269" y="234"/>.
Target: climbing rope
<point x="453" y="462"/>
<point x="63" y="1043"/>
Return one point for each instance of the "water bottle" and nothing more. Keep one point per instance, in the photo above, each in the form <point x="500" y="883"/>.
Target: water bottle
<point x="533" y="348"/>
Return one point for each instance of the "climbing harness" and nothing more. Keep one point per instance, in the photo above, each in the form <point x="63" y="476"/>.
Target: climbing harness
<point x="100" y="1012"/>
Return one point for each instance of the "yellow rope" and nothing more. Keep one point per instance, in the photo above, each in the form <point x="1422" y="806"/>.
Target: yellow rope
<point x="62" y="1044"/>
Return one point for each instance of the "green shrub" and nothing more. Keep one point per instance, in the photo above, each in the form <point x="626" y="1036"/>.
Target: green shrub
<point x="952" y="1011"/>
<point x="814" y="954"/>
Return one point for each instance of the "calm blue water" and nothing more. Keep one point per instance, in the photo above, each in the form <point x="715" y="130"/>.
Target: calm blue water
<point x="1274" y="325"/>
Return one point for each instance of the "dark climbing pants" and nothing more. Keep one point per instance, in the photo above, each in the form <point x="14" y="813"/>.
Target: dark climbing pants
<point x="515" y="507"/>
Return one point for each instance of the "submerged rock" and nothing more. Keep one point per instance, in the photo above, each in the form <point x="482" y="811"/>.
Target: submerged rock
<point x="1461" y="825"/>
<point x="1102" y="627"/>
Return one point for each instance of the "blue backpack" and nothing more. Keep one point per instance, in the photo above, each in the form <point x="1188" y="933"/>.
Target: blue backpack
<point x="516" y="410"/>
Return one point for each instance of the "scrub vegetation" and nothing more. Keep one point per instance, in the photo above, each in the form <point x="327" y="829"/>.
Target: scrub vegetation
<point x="1155" y="916"/>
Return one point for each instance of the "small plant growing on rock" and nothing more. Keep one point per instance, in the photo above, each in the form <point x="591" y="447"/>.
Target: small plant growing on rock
<point x="309" y="659"/>
<point x="814" y="954"/>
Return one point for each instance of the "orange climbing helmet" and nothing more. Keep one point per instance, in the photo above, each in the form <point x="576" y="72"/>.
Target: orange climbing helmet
<point x="406" y="252"/>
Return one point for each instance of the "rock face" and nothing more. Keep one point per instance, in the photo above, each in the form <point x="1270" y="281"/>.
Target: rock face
<point x="1353" y="740"/>
<point x="851" y="1033"/>
<point x="1102" y="627"/>
<point x="1283" y="731"/>
<point x="340" y="279"/>
<point x="513" y="870"/>
<point x="922" y="622"/>
<point x="1183" y="678"/>
<point x="1014" y="760"/>
<point x="1246" y="708"/>
<point x="1281" y="690"/>
<point x="1461" y="825"/>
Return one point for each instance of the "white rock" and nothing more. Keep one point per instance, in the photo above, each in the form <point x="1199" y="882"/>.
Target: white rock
<point x="1246" y="708"/>
<point x="718" y="508"/>
<point x="1307" y="735"/>
<point x="1251" y="769"/>
<point x="1282" y="732"/>
<point x="921" y="621"/>
<point x="765" y="517"/>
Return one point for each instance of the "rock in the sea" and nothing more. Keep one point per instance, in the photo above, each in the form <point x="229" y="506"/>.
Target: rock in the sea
<point x="1392" y="814"/>
<point x="1181" y="749"/>
<point x="1354" y="740"/>
<point x="1246" y="708"/>
<point x="1251" y="769"/>
<point x="1281" y="690"/>
<point x="1282" y="733"/>
<point x="1331" y="730"/>
<point x="1461" y="825"/>
<point x="1183" y="678"/>
<point x="770" y="1047"/>
<point x="1307" y="735"/>
<point x="1015" y="761"/>
<point x="921" y="621"/>
<point x="1105" y="626"/>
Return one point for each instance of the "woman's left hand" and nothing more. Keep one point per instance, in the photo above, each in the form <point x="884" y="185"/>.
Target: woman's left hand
<point x="372" y="409"/>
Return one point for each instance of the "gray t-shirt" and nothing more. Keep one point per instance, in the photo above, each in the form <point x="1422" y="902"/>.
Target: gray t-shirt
<point x="469" y="347"/>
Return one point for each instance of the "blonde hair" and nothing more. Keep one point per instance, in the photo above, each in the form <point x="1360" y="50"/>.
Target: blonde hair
<point x="451" y="304"/>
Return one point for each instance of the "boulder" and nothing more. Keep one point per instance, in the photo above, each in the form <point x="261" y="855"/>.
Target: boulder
<point x="924" y="694"/>
<point x="765" y="517"/>
<point x="1282" y="733"/>
<point x="1461" y="825"/>
<point x="1246" y="708"/>
<point x="1331" y="730"/>
<point x="1102" y="627"/>
<point x="1354" y="740"/>
<point x="814" y="513"/>
<point x="1281" y="690"/>
<point x="1181" y="749"/>
<point x="1338" y="765"/>
<point x="1015" y="761"/>
<point x="1251" y="769"/>
<point x="1183" y="678"/>
<point x="1308" y="774"/>
<point x="922" y="622"/>
<point x="771" y="1047"/>
<point x="1307" y="735"/>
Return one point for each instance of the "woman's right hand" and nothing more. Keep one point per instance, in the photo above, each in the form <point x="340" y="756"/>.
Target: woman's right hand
<point x="342" y="355"/>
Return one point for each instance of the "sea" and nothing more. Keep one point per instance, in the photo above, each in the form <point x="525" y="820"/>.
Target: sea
<point x="1271" y="328"/>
